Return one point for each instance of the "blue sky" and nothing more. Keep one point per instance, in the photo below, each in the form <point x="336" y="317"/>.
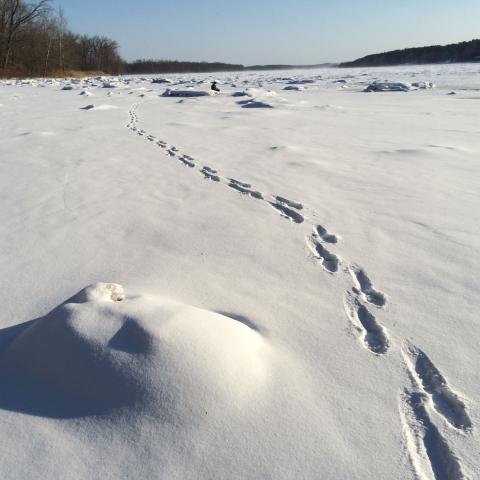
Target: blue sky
<point x="268" y="31"/>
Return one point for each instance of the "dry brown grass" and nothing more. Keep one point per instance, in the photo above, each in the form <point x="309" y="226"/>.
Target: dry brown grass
<point x="59" y="74"/>
<point x="77" y="74"/>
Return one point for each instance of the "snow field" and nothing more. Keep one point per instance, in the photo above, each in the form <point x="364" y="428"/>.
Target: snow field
<point x="324" y="241"/>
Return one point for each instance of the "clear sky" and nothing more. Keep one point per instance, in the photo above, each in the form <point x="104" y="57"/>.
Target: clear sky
<point x="272" y="31"/>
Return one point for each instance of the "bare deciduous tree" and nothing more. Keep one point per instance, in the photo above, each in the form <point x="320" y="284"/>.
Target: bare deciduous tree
<point x="15" y="17"/>
<point x="35" y="40"/>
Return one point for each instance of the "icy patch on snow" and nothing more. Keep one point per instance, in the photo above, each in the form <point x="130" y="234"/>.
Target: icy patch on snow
<point x="185" y="93"/>
<point x="300" y="82"/>
<point x="388" y="87"/>
<point x="294" y="87"/>
<point x="102" y="350"/>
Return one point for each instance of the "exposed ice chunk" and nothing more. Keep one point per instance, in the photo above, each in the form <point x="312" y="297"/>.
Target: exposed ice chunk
<point x="185" y="93"/>
<point x="388" y="87"/>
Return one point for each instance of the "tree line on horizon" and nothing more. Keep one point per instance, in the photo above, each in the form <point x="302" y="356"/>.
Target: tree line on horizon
<point x="453" y="53"/>
<point x="175" y="66"/>
<point x="35" y="41"/>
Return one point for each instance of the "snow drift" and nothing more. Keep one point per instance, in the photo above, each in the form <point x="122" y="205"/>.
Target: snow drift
<point x="102" y="350"/>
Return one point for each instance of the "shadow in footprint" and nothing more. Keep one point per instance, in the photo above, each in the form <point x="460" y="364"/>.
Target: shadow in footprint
<point x="445" y="401"/>
<point x="443" y="461"/>
<point x="365" y="285"/>
<point x="245" y="190"/>
<point x="329" y="260"/>
<point x="325" y="235"/>
<point x="288" y="212"/>
<point x="210" y="174"/>
<point x="289" y="203"/>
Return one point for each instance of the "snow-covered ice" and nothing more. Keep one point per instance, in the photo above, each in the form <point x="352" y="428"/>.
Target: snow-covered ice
<point x="296" y="287"/>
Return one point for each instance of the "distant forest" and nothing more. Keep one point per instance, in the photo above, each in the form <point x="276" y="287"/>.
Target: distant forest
<point x="174" y="66"/>
<point x="35" y="41"/>
<point x="454" y="53"/>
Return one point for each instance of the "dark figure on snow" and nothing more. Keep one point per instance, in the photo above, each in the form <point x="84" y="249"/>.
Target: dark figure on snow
<point x="215" y="87"/>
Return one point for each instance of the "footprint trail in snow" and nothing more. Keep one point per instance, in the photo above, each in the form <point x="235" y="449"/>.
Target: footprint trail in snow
<point x="430" y="454"/>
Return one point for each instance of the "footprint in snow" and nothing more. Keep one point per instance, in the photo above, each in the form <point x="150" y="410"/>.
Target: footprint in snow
<point x="429" y="378"/>
<point x="374" y="335"/>
<point x="210" y="174"/>
<point x="366" y="288"/>
<point x="325" y="235"/>
<point x="244" y="188"/>
<point x="289" y="203"/>
<point x="186" y="160"/>
<point x="329" y="261"/>
<point x="287" y="212"/>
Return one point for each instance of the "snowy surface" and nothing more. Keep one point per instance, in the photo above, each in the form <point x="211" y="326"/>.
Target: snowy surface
<point x="296" y="276"/>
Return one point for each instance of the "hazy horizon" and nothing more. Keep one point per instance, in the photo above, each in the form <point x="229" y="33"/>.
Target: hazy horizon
<point x="268" y="32"/>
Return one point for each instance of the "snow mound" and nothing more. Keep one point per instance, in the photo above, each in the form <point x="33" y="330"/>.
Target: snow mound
<point x="328" y="106"/>
<point x="423" y="85"/>
<point x="106" y="107"/>
<point x="102" y="350"/>
<point x="259" y="92"/>
<point x="99" y="107"/>
<point x="388" y="87"/>
<point x="185" y="93"/>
